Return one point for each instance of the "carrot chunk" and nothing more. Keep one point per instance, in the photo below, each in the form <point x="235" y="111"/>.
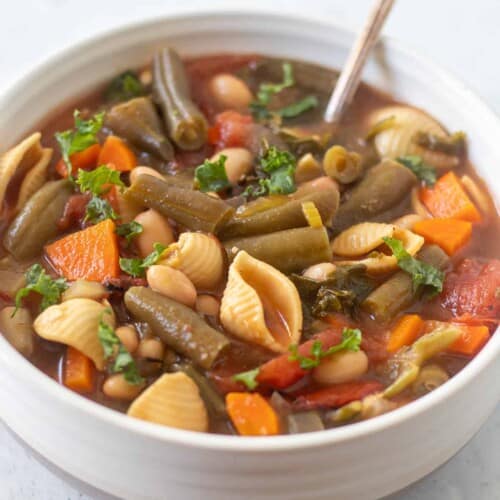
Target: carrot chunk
<point x="449" y="234"/>
<point x="86" y="160"/>
<point x="407" y="329"/>
<point x="448" y="200"/>
<point x="471" y="340"/>
<point x="78" y="371"/>
<point x="251" y="414"/>
<point x="115" y="152"/>
<point x="90" y="254"/>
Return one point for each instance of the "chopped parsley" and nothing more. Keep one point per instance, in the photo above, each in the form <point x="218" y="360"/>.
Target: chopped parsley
<point x="129" y="230"/>
<point x="249" y="378"/>
<point x="123" y="87"/>
<point x="123" y="361"/>
<point x="81" y="137"/>
<point x="426" y="173"/>
<point x="259" y="107"/>
<point x="422" y="274"/>
<point x="38" y="281"/>
<point x="137" y="267"/>
<point x="351" y="341"/>
<point x="212" y="176"/>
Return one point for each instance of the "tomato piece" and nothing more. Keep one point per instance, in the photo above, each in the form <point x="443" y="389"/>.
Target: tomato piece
<point x="231" y="129"/>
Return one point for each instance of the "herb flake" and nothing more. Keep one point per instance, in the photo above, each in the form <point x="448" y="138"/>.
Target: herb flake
<point x="426" y="173"/>
<point x="249" y="378"/>
<point x="136" y="267"/>
<point x="212" y="176"/>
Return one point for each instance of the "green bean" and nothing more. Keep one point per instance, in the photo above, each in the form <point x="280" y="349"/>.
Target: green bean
<point x="397" y="293"/>
<point x="215" y="404"/>
<point x="283" y="216"/>
<point x="138" y="122"/>
<point x="307" y="421"/>
<point x="189" y="208"/>
<point x="177" y="325"/>
<point x="289" y="251"/>
<point x="36" y="223"/>
<point x="383" y="187"/>
<point x="185" y="123"/>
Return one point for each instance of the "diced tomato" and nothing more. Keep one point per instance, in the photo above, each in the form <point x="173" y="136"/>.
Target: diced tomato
<point x="473" y="289"/>
<point x="74" y="211"/>
<point x="231" y="129"/>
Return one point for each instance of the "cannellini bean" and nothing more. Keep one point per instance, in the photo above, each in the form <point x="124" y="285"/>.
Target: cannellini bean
<point x="230" y="91"/>
<point x="238" y="162"/>
<point x="18" y="329"/>
<point x="320" y="272"/>
<point x="116" y="387"/>
<point x="206" y="304"/>
<point x="171" y="283"/>
<point x="308" y="168"/>
<point x="128" y="336"/>
<point x="407" y="221"/>
<point x="144" y="171"/>
<point x="82" y="289"/>
<point x="151" y="349"/>
<point x="341" y="367"/>
<point x="322" y="183"/>
<point x="155" y="229"/>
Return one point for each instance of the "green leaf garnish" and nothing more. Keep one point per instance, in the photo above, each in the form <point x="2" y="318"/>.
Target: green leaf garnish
<point x="129" y="230"/>
<point x="38" y="281"/>
<point x="81" y="137"/>
<point x="99" y="180"/>
<point x="426" y="173"/>
<point x="279" y="167"/>
<point x="249" y="378"/>
<point x="124" y="87"/>
<point x="98" y="210"/>
<point x="123" y="362"/>
<point x="136" y="267"/>
<point x="422" y="274"/>
<point x="212" y="176"/>
<point x="351" y="341"/>
<point x="259" y="107"/>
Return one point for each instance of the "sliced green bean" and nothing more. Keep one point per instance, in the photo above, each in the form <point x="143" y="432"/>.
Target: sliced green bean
<point x="192" y="209"/>
<point x="383" y="187"/>
<point x="397" y="293"/>
<point x="177" y="325"/>
<point x="289" y="251"/>
<point x="138" y="122"/>
<point x="284" y="216"/>
<point x="36" y="223"/>
<point x="185" y="123"/>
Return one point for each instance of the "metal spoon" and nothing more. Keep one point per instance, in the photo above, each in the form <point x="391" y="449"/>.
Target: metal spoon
<point x="351" y="73"/>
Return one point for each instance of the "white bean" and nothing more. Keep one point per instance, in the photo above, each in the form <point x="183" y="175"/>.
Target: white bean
<point x="408" y="221"/>
<point x="341" y="367"/>
<point x="116" y="387"/>
<point x="151" y="349"/>
<point x="206" y="304"/>
<point x="144" y="171"/>
<point x="230" y="91"/>
<point x="128" y="336"/>
<point x="82" y="289"/>
<point x="322" y="183"/>
<point x="238" y="162"/>
<point x="171" y="283"/>
<point x="320" y="272"/>
<point x="155" y="229"/>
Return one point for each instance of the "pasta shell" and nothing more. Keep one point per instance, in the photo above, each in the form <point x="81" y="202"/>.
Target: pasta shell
<point x="261" y="305"/>
<point x="200" y="257"/>
<point x="479" y="196"/>
<point x="75" y="322"/>
<point x="173" y="400"/>
<point x="27" y="156"/>
<point x="379" y="262"/>
<point x="361" y="238"/>
<point x="397" y="140"/>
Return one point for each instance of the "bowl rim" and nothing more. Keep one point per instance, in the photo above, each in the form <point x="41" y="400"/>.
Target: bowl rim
<point x="207" y="441"/>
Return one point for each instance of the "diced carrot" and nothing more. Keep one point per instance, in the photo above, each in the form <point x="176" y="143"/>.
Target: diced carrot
<point x="407" y="329"/>
<point x="337" y="395"/>
<point x="448" y="200"/>
<point x="78" y="371"/>
<point x="251" y="414"/>
<point x="471" y="340"/>
<point x="90" y="254"/>
<point x="86" y="160"/>
<point x="449" y="234"/>
<point x="115" y="152"/>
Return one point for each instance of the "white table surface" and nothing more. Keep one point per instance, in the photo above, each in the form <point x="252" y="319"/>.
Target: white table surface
<point x="461" y="35"/>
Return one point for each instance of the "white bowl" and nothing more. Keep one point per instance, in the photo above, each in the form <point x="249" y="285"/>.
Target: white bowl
<point x="133" y="459"/>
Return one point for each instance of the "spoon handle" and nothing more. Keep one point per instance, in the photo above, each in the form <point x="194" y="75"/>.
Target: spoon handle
<point x="351" y="73"/>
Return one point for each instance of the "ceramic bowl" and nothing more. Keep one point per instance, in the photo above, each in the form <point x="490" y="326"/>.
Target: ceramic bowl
<point x="134" y="459"/>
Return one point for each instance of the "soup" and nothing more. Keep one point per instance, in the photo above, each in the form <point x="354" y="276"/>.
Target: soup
<point x="197" y="248"/>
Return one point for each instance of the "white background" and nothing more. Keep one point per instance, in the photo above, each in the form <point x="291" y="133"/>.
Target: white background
<point x="461" y="35"/>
